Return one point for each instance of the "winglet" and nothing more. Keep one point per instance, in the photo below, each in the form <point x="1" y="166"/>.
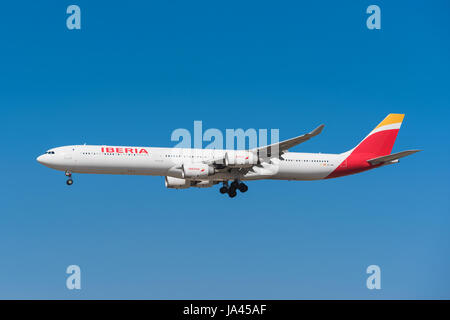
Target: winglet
<point x="316" y="131"/>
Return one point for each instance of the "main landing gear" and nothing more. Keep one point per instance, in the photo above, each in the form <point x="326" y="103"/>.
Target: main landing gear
<point x="231" y="190"/>
<point x="69" y="176"/>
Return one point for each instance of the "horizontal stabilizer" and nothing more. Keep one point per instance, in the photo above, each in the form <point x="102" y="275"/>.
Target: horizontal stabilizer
<point x="391" y="157"/>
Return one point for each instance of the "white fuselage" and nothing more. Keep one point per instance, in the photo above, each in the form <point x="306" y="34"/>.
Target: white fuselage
<point x="167" y="162"/>
<point x="203" y="168"/>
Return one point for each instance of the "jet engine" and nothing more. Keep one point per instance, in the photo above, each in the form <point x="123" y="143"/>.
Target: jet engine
<point x="177" y="183"/>
<point x="196" y="170"/>
<point x="240" y="158"/>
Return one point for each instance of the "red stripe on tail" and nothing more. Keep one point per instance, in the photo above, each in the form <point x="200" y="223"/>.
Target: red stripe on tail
<point x="375" y="145"/>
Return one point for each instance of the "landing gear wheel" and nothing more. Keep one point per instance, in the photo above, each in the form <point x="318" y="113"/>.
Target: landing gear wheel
<point x="235" y="184"/>
<point x="232" y="193"/>
<point x="223" y="190"/>
<point x="69" y="182"/>
<point x="243" y="187"/>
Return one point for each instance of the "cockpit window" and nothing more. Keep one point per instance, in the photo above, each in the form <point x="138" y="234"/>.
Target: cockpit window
<point x="50" y="152"/>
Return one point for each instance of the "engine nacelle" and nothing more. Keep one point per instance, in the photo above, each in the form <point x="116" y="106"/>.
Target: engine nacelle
<point x="177" y="183"/>
<point x="197" y="170"/>
<point x="240" y="158"/>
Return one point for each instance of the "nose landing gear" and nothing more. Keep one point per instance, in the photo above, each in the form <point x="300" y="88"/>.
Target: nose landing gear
<point x="69" y="181"/>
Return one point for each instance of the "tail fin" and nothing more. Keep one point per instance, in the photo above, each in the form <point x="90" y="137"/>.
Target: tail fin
<point x="380" y="141"/>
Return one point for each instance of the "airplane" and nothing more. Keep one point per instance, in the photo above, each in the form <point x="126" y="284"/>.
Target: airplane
<point x="202" y="168"/>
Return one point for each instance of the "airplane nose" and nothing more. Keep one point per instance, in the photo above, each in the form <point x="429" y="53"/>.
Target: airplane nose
<point x="40" y="159"/>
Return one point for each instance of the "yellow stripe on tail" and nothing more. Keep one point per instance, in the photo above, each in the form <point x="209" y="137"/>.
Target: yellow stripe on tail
<point x="391" y="119"/>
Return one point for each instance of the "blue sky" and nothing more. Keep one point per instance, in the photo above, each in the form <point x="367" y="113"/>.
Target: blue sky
<point x="136" y="71"/>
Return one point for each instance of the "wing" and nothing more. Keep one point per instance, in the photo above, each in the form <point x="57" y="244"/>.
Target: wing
<point x="391" y="157"/>
<point x="268" y="151"/>
<point x="282" y="146"/>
